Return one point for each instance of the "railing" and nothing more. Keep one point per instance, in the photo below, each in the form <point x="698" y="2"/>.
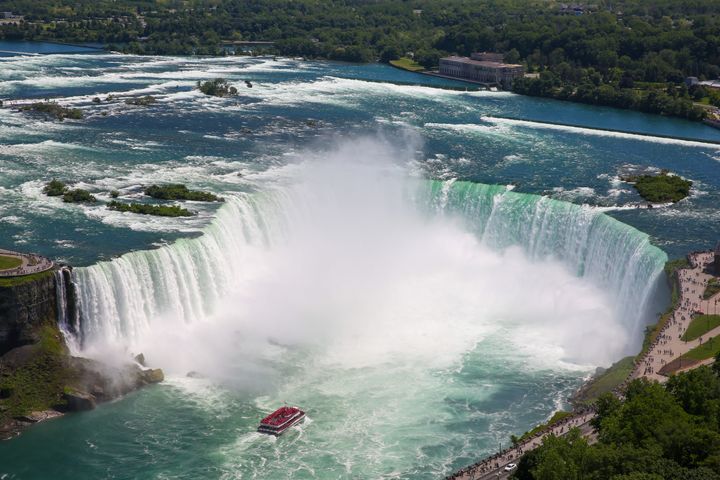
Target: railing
<point x="31" y="263"/>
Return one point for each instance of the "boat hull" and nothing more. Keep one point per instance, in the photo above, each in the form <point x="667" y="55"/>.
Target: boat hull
<point x="277" y="431"/>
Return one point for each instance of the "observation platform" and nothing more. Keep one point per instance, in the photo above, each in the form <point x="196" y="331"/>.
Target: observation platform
<point x="16" y="264"/>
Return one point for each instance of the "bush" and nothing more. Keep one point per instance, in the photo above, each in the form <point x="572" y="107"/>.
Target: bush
<point x="145" y="209"/>
<point x="661" y="188"/>
<point x="217" y="88"/>
<point x="53" y="109"/>
<point x="78" y="196"/>
<point x="141" y="101"/>
<point x="178" y="191"/>
<point x="54" y="188"/>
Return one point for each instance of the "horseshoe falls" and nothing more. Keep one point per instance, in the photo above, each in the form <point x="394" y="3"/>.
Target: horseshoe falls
<point x="423" y="276"/>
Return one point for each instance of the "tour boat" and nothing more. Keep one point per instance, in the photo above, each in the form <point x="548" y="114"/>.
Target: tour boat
<point x="280" y="420"/>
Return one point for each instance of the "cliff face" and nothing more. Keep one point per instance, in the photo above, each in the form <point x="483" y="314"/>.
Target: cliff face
<point x="24" y="307"/>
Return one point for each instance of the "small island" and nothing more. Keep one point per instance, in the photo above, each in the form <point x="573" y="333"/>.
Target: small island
<point x="145" y="209"/>
<point x="662" y="188"/>
<point x="217" y="88"/>
<point x="53" y="110"/>
<point x="178" y="191"/>
<point x="56" y="188"/>
<point x="141" y="101"/>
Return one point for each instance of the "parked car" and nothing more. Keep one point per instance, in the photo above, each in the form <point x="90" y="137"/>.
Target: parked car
<point x="510" y="467"/>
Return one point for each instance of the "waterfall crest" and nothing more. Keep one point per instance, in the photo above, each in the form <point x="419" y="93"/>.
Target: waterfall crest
<point x="182" y="282"/>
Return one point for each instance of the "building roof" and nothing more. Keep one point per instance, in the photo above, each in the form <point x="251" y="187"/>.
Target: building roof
<point x="481" y="63"/>
<point x="711" y="83"/>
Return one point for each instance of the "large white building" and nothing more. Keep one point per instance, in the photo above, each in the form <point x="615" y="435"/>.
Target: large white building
<point x="482" y="67"/>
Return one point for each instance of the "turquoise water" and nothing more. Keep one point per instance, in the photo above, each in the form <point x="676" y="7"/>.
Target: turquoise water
<point x="369" y="263"/>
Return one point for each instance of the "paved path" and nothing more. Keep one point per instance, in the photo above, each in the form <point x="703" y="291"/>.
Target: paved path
<point x="30" y="264"/>
<point x="667" y="347"/>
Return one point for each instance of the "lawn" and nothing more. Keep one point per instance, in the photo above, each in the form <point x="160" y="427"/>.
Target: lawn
<point x="407" y="64"/>
<point x="700" y="325"/>
<point x="712" y="288"/>
<point x="7" y="263"/>
<point x="607" y="381"/>
<point x="707" y="350"/>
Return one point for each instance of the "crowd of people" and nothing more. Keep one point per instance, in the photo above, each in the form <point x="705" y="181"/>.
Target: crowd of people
<point x="513" y="453"/>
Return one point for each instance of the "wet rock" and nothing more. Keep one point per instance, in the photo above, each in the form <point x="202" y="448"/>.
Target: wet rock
<point x="153" y="375"/>
<point x="140" y="358"/>
<point x="79" y="401"/>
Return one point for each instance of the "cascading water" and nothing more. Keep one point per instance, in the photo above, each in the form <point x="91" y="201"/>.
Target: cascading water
<point x="183" y="283"/>
<point x="67" y="308"/>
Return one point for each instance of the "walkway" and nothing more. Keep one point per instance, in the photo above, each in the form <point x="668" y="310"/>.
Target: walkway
<point x="30" y="264"/>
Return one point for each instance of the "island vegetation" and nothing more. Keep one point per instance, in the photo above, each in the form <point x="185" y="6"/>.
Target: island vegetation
<point x="56" y="188"/>
<point x="661" y="188"/>
<point x="218" y="87"/>
<point x="53" y="110"/>
<point x="178" y="191"/>
<point x="660" y="432"/>
<point x="141" y="101"/>
<point x="146" y="209"/>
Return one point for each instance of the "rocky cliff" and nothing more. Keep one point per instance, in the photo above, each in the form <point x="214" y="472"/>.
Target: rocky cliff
<point x="39" y="378"/>
<point x="26" y="303"/>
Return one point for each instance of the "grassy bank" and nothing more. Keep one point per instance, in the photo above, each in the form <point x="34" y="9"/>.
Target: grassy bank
<point x="407" y="64"/>
<point x="14" y="281"/>
<point x="557" y="416"/>
<point x="700" y="325"/>
<point x="707" y="350"/>
<point x="605" y="382"/>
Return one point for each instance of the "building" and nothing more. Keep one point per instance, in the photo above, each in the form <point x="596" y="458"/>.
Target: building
<point x="482" y="67"/>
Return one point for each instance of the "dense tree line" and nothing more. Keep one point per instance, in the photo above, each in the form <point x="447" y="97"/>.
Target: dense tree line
<point x="669" y="432"/>
<point x="621" y="53"/>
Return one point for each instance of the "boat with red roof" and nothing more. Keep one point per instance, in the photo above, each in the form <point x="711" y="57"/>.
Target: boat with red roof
<point x="280" y="420"/>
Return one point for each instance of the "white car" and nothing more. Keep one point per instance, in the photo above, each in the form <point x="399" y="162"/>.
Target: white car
<point x="510" y="467"/>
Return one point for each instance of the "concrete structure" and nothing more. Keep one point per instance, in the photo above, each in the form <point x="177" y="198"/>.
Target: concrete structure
<point x="711" y="83"/>
<point x="482" y="67"/>
<point x="30" y="264"/>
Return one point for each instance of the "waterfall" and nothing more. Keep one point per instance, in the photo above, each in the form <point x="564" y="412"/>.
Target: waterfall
<point x="182" y="282"/>
<point x="613" y="255"/>
<point x="68" y="315"/>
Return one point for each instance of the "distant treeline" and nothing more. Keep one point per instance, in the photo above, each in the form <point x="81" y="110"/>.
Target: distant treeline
<point x="610" y="52"/>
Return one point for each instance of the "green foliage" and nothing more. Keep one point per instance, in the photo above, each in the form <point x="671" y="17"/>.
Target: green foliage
<point x="7" y="263"/>
<point x="407" y="64"/>
<point x="700" y="325"/>
<point x="39" y="382"/>
<point x="708" y="349"/>
<point x="54" y="110"/>
<point x="78" y="195"/>
<point x="54" y="188"/>
<point x="141" y="101"/>
<point x="712" y="288"/>
<point x="607" y="381"/>
<point x="145" y="209"/>
<point x="178" y="191"/>
<point x="661" y="188"/>
<point x="217" y="88"/>
<point x="557" y="416"/>
<point x="658" y="432"/>
<point x="15" y="281"/>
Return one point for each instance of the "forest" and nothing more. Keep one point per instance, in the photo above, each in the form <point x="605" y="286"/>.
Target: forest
<point x="629" y="53"/>
<point x="660" y="432"/>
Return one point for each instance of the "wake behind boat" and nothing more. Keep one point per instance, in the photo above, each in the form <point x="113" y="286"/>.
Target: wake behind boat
<point x="280" y="420"/>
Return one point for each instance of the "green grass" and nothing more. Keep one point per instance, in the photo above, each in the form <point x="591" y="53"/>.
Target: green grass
<point x="407" y="64"/>
<point x="712" y="288"/>
<point x="14" y="281"/>
<point x="557" y="416"/>
<point x="7" y="263"/>
<point x="39" y="383"/>
<point x="700" y="325"/>
<point x="707" y="350"/>
<point x="607" y="381"/>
